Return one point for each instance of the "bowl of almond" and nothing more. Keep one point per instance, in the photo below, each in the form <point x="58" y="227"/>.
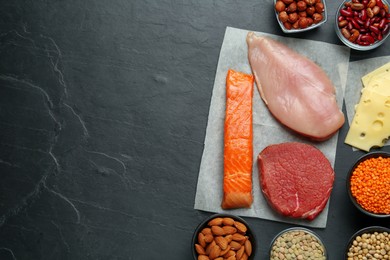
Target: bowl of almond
<point x="222" y="236"/>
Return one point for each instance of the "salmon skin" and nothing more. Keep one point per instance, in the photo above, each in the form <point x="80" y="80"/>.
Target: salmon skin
<point x="238" y="146"/>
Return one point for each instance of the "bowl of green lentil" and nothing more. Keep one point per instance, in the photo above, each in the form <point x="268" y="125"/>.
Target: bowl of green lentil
<point x="297" y="243"/>
<point x="368" y="184"/>
<point x="369" y="243"/>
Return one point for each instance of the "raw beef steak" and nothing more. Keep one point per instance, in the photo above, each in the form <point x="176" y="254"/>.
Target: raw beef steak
<point x="296" y="179"/>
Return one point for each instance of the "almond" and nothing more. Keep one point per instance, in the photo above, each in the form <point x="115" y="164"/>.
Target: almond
<point x="217" y="231"/>
<point x="214" y="252"/>
<point x="228" y="221"/>
<point x="224" y="252"/>
<point x="219" y="258"/>
<point x="221" y="242"/>
<point x="203" y="257"/>
<point x="229" y="230"/>
<point x="209" y="246"/>
<point x="229" y="238"/>
<point x="206" y="231"/>
<point x="240" y="226"/>
<point x="248" y="247"/>
<point x="230" y="253"/>
<point x="200" y="249"/>
<point x="215" y="222"/>
<point x="240" y="252"/>
<point x="208" y="238"/>
<point x="244" y="257"/>
<point x="201" y="240"/>
<point x="235" y="245"/>
<point x="233" y="257"/>
<point x="238" y="237"/>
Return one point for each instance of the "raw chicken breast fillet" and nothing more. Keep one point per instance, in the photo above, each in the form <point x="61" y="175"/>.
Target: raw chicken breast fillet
<point x="297" y="91"/>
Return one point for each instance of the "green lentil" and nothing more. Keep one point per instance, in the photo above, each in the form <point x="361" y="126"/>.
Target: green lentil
<point x="297" y="244"/>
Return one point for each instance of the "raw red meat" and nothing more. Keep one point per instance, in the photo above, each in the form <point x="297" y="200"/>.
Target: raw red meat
<point x="296" y="179"/>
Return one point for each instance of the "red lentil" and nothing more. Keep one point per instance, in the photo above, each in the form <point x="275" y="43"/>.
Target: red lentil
<point x="370" y="185"/>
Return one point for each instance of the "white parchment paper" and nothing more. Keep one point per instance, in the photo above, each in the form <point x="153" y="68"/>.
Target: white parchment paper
<point x="266" y="130"/>
<point x="356" y="71"/>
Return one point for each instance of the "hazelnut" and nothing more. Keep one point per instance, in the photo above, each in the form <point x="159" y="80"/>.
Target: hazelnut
<point x="280" y="6"/>
<point x="317" y="17"/>
<point x="291" y="8"/>
<point x="303" y="23"/>
<point x="293" y="17"/>
<point x="283" y="16"/>
<point x="301" y="5"/>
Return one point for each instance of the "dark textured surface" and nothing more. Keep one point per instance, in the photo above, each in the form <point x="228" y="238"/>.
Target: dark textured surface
<point x="103" y="111"/>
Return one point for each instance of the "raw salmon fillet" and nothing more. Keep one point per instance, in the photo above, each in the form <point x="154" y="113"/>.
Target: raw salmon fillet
<point x="238" y="136"/>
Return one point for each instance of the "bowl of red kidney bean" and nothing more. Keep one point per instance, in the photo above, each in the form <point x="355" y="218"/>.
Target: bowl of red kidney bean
<point x="363" y="24"/>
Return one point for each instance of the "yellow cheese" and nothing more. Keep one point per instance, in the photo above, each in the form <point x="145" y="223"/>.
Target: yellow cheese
<point x="371" y="124"/>
<point x="377" y="73"/>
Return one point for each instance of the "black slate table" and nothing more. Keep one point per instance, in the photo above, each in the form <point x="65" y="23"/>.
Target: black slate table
<point x="103" y="112"/>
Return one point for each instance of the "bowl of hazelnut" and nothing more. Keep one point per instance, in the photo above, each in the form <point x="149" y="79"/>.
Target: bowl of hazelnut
<point x="296" y="16"/>
<point x="363" y="24"/>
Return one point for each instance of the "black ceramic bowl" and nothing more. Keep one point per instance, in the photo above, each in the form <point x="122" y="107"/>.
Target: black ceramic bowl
<point x="348" y="182"/>
<point x="204" y="224"/>
<point x="305" y="231"/>
<point x="370" y="231"/>
<point x="360" y="21"/>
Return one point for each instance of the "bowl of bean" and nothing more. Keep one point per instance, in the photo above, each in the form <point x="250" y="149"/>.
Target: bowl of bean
<point x="223" y="235"/>
<point x="369" y="243"/>
<point x="296" y="16"/>
<point x="368" y="184"/>
<point x="363" y="24"/>
<point x="297" y="243"/>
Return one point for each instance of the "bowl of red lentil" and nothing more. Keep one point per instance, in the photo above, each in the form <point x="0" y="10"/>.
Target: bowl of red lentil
<point x="369" y="243"/>
<point x="368" y="184"/>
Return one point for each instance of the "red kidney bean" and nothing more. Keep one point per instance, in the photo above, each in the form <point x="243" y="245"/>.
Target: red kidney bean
<point x="363" y="15"/>
<point x="364" y="43"/>
<point x="343" y="23"/>
<point x="367" y="38"/>
<point x="382" y="23"/>
<point x="346" y="13"/>
<point x="374" y="29"/>
<point x="368" y="22"/>
<point x="359" y="21"/>
<point x="371" y="3"/>
<point x="355" y="24"/>
<point x="379" y="3"/>
<point x="349" y="26"/>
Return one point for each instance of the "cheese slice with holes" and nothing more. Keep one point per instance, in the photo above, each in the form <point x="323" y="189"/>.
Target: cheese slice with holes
<point x="383" y="71"/>
<point x="370" y="126"/>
